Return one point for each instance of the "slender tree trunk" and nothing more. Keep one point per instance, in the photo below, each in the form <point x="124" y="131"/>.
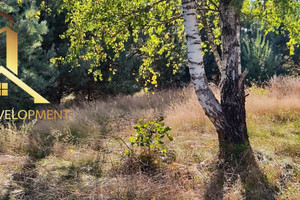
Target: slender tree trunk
<point x="229" y="116"/>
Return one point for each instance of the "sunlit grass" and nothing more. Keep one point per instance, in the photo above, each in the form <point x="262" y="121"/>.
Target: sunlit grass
<point x="81" y="157"/>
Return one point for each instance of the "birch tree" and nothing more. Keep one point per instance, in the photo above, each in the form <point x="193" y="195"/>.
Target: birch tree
<point x="228" y="116"/>
<point x="95" y="25"/>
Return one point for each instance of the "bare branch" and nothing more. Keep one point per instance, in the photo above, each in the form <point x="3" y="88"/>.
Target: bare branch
<point x="242" y="77"/>
<point x="118" y="138"/>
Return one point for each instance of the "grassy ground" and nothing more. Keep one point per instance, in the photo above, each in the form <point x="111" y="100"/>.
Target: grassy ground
<point x="81" y="158"/>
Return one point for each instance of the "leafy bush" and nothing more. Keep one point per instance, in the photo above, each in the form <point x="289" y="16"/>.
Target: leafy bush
<point x="148" y="151"/>
<point x="149" y="136"/>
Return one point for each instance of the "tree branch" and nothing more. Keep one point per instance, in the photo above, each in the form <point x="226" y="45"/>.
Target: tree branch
<point x="165" y="21"/>
<point x="208" y="9"/>
<point x="213" y="3"/>
<point x="211" y="39"/>
<point x="118" y="138"/>
<point x="242" y="77"/>
<point x="142" y="10"/>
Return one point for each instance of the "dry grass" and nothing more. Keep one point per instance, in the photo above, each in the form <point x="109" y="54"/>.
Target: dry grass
<point x="280" y="86"/>
<point x="81" y="158"/>
<point x="282" y="94"/>
<point x="15" y="140"/>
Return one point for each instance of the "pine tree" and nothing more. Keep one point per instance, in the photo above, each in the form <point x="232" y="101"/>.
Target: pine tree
<point x="258" y="57"/>
<point x="34" y="64"/>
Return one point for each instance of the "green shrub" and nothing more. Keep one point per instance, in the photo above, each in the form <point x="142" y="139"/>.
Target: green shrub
<point x="150" y="136"/>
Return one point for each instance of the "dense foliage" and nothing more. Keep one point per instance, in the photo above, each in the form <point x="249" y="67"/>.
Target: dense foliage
<point x="125" y="45"/>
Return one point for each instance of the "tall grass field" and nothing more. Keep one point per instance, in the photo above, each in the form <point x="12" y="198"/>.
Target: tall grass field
<point x="83" y="157"/>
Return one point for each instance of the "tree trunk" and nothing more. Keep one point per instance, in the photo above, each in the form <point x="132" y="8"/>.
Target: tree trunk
<point x="232" y="86"/>
<point x="229" y="116"/>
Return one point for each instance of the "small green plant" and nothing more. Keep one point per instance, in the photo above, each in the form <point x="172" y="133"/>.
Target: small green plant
<point x="150" y="136"/>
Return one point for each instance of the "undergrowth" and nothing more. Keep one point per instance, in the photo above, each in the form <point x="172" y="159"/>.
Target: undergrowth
<point x="81" y="158"/>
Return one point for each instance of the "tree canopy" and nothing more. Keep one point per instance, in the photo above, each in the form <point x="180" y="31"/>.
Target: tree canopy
<point x="156" y="26"/>
<point x="118" y="42"/>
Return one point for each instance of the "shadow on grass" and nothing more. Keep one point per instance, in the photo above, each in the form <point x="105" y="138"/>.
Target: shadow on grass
<point x="25" y="180"/>
<point x="255" y="185"/>
<point x="35" y="187"/>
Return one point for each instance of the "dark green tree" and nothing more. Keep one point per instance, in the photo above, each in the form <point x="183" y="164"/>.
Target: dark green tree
<point x="258" y="57"/>
<point x="34" y="64"/>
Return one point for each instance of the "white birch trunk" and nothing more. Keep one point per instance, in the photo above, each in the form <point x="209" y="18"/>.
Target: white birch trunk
<point x="206" y="98"/>
<point x="229" y="116"/>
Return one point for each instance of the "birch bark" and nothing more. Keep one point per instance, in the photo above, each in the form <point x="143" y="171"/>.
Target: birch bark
<point x="206" y="98"/>
<point x="229" y="116"/>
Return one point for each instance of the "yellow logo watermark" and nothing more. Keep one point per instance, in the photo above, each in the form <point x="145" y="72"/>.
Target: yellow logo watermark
<point x="11" y="69"/>
<point x="34" y="114"/>
<point x="11" y="72"/>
